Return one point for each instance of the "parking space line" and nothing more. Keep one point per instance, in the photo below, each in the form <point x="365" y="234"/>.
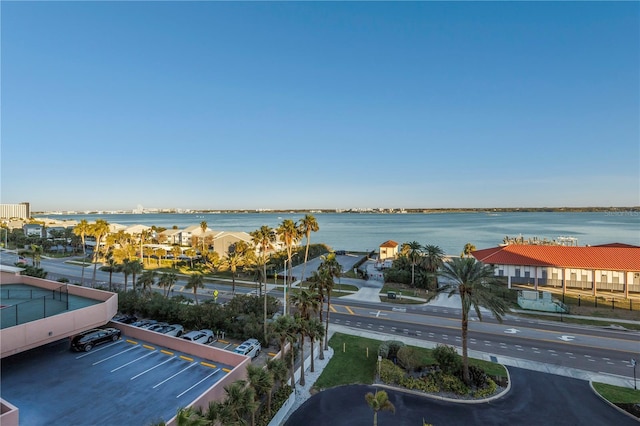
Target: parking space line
<point x="149" y="347"/>
<point x="114" y="355"/>
<point x="230" y="344"/>
<point x="206" y="364"/>
<point x="98" y="350"/>
<point x="133" y="342"/>
<point x="226" y="370"/>
<point x="154" y="367"/>
<point x="198" y="383"/>
<point x="186" y="358"/>
<point x="171" y="377"/>
<point x="131" y="362"/>
<point x="222" y="341"/>
<point x="166" y="352"/>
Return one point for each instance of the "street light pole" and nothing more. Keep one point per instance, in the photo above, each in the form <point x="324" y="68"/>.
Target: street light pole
<point x="633" y="363"/>
<point x="285" y="288"/>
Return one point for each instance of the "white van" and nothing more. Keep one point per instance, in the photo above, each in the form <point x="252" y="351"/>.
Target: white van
<point x="250" y="348"/>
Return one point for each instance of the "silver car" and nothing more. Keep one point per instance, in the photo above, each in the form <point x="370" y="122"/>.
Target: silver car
<point x="200" y="336"/>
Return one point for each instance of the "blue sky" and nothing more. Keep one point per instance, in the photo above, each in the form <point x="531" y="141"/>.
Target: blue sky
<point x="219" y="105"/>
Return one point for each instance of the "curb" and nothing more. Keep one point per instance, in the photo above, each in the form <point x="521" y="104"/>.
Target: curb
<point x="612" y="404"/>
<point x="454" y="400"/>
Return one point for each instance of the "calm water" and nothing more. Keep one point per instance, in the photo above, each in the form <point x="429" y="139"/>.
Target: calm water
<point x="450" y="231"/>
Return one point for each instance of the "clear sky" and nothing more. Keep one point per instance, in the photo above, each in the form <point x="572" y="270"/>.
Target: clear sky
<point x="226" y="105"/>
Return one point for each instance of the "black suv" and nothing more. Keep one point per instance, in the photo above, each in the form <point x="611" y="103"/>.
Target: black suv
<point x="87" y="340"/>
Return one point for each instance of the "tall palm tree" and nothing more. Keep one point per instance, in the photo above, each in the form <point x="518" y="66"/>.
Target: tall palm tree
<point x="203" y="228"/>
<point x="160" y="254"/>
<point x="413" y="252"/>
<point x="112" y="266"/>
<point x="290" y="235"/>
<point x="468" y="248"/>
<point x="239" y="404"/>
<point x="82" y="229"/>
<point x="191" y="253"/>
<point x="98" y="230"/>
<point x="36" y="254"/>
<point x="284" y="330"/>
<point x="329" y="268"/>
<point x="261" y="381"/>
<point x="176" y="251"/>
<point x="144" y="237"/>
<point x="315" y="332"/>
<point x="135" y="267"/>
<point x="433" y="260"/>
<point x="195" y="282"/>
<point x="125" y="267"/>
<point x="476" y="285"/>
<point x="306" y="302"/>
<point x="189" y="417"/>
<point x="147" y="280"/>
<point x="167" y="281"/>
<point x="264" y="239"/>
<point x="379" y="402"/>
<point x="232" y="261"/>
<point x="278" y="369"/>
<point x="306" y="226"/>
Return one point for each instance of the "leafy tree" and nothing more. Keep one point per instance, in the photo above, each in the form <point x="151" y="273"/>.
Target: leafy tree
<point x="477" y="286"/>
<point x="379" y="402"/>
<point x="195" y="282"/>
<point x="306" y="226"/>
<point x="82" y="229"/>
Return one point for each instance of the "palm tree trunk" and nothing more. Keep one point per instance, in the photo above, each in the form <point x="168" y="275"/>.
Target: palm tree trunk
<point x="293" y="373"/>
<point x="84" y="259"/>
<point x="195" y="294"/>
<point x="465" y="358"/>
<point x="375" y="418"/>
<point x="265" y="305"/>
<point x="312" y="363"/>
<point x="320" y="316"/>
<point x="326" y="330"/>
<point x="306" y="256"/>
<point x="302" y="359"/>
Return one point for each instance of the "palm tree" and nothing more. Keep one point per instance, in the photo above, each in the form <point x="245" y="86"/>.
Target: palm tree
<point x="301" y="327"/>
<point x="190" y="417"/>
<point x="379" y="402"/>
<point x="82" y="229"/>
<point x="306" y="302"/>
<point x="289" y="234"/>
<point x="147" y="280"/>
<point x="307" y="225"/>
<point x="98" y="230"/>
<point x="195" y="282"/>
<point x="239" y="403"/>
<point x="112" y="266"/>
<point x="284" y="330"/>
<point x="315" y="332"/>
<point x="264" y="239"/>
<point x="433" y="260"/>
<point x="191" y="253"/>
<point x="167" y="281"/>
<point x="413" y="253"/>
<point x="329" y="268"/>
<point x="176" y="251"/>
<point x="468" y="248"/>
<point x="278" y="369"/>
<point x="203" y="228"/>
<point x="476" y="285"/>
<point x="261" y="381"/>
<point x="160" y="254"/>
<point x="234" y="259"/>
<point x="135" y="267"/>
<point x="36" y="254"/>
<point x="125" y="267"/>
<point x="144" y="237"/>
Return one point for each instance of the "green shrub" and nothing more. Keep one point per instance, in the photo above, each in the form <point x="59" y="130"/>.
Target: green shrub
<point x="486" y="391"/>
<point x="394" y="347"/>
<point x="478" y="376"/>
<point x="451" y="383"/>
<point x="424" y="384"/>
<point x="383" y="350"/>
<point x="390" y="373"/>
<point x="447" y="358"/>
<point x="408" y="358"/>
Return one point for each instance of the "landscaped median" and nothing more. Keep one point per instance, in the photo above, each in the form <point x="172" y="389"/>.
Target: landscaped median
<point x="431" y="372"/>
<point x="624" y="399"/>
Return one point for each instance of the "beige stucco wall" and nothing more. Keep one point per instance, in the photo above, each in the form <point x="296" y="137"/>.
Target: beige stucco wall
<point x="9" y="414"/>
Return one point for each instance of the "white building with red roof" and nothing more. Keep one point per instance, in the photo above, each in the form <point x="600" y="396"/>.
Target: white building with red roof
<point x="613" y="267"/>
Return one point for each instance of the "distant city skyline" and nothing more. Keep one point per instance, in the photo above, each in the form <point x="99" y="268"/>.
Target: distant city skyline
<point x="320" y="105"/>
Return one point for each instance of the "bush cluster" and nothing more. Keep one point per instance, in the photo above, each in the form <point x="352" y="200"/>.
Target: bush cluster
<point x="489" y="389"/>
<point x="390" y="373"/>
<point x="447" y="358"/>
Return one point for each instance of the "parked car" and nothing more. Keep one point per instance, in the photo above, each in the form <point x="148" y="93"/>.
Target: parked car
<point x="87" y="340"/>
<point x="250" y="348"/>
<point x="201" y="336"/>
<point x="156" y="327"/>
<point x="125" y="319"/>
<point x="175" y="330"/>
<point x="144" y="323"/>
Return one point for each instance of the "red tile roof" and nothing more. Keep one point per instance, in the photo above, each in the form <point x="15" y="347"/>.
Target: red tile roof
<point x="610" y="258"/>
<point x="389" y="243"/>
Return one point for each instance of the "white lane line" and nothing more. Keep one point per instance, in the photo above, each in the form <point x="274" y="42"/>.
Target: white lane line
<point x="174" y="375"/>
<point x="198" y="383"/>
<point x="131" y="362"/>
<point x="99" y="349"/>
<point x="572" y="357"/>
<point x="607" y="359"/>
<point x="520" y="349"/>
<point x="154" y="367"/>
<point x="114" y="355"/>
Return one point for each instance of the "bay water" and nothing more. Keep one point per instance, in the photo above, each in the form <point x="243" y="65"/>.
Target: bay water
<point x="449" y="231"/>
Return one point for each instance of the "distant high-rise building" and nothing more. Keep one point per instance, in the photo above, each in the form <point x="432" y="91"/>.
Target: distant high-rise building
<point x="20" y="211"/>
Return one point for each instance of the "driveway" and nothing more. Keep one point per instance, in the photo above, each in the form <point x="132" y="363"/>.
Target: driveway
<point x="535" y="399"/>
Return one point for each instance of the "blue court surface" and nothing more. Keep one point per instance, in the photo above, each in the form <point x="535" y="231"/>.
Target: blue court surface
<point x="119" y="383"/>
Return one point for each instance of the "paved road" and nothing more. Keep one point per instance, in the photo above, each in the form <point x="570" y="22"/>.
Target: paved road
<point x="535" y="399"/>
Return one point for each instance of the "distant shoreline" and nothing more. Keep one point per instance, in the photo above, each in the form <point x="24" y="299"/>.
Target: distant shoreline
<point x="362" y="211"/>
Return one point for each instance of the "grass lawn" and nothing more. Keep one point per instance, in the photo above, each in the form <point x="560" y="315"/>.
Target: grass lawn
<point x="350" y="363"/>
<point x="617" y="395"/>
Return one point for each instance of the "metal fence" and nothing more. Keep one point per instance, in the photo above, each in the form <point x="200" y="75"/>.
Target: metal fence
<point x="39" y="303"/>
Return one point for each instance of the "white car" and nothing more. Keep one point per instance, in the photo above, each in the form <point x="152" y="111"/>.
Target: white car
<point x="174" y="330"/>
<point x="201" y="336"/>
<point x="250" y="348"/>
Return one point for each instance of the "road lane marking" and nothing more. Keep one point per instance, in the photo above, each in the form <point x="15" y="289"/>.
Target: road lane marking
<point x="174" y="375"/>
<point x="332" y="309"/>
<point x="198" y="383"/>
<point x="349" y="310"/>
<point x="114" y="355"/>
<point x="152" y="368"/>
<point x="131" y="362"/>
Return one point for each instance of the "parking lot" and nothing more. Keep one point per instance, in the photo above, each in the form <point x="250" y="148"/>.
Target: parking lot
<point x="123" y="382"/>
